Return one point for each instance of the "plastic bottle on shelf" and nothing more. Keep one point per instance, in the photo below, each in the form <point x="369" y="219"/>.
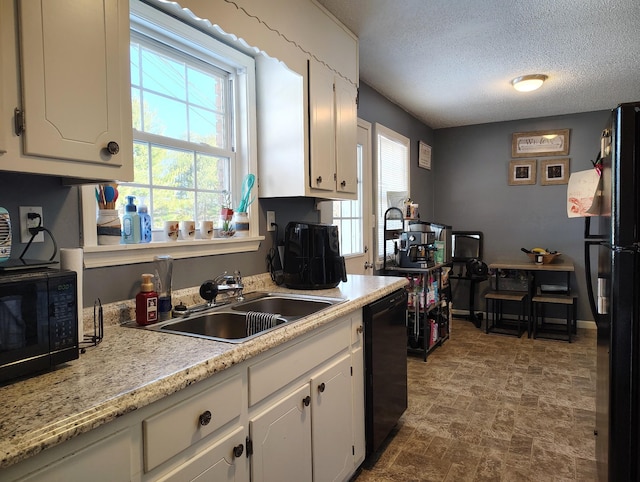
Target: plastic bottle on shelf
<point x="130" y="223"/>
<point x="146" y="302"/>
<point x="145" y="224"/>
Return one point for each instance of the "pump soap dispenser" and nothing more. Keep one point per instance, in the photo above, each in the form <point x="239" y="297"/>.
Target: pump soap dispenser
<point x="130" y="223"/>
<point x="146" y="302"/>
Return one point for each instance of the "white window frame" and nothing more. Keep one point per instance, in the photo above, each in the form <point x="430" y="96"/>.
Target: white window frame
<point x="246" y="158"/>
<point x="381" y="201"/>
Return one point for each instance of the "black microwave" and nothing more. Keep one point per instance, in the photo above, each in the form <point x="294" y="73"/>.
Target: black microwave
<point x="38" y="321"/>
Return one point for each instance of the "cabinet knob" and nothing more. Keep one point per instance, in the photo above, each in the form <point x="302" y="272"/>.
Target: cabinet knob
<point x="343" y="183"/>
<point x="113" y="148"/>
<point x="319" y="180"/>
<point x="306" y="401"/>
<point x="359" y="330"/>
<point x="205" y="418"/>
<point x="321" y="387"/>
<point x="238" y="450"/>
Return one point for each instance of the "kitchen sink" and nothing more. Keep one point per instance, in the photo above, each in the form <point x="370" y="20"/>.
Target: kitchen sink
<point x="218" y="325"/>
<point x="229" y="323"/>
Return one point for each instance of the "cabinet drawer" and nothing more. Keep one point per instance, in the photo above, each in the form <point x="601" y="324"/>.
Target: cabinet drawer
<point x="176" y="428"/>
<point x="273" y="373"/>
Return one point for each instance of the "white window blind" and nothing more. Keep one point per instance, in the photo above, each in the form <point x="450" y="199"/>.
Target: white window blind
<point x="392" y="164"/>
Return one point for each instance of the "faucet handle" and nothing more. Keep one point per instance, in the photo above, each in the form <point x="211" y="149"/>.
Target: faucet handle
<point x="239" y="286"/>
<point x="209" y="291"/>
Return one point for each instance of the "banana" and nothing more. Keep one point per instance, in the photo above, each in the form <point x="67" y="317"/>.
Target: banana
<point x="539" y="250"/>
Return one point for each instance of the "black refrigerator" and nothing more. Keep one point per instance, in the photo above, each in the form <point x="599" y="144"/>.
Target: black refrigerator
<point x="614" y="296"/>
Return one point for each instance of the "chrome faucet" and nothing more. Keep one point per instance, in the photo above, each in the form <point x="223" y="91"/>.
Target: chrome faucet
<point x="228" y="283"/>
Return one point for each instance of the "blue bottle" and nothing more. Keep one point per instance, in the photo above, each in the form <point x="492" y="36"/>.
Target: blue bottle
<point x="145" y="224"/>
<point x="130" y="223"/>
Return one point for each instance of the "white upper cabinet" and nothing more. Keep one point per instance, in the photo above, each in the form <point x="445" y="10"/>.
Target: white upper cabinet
<point x="74" y="101"/>
<point x="332" y="132"/>
<point x="307" y="126"/>
<point x="346" y="129"/>
<point x="322" y="128"/>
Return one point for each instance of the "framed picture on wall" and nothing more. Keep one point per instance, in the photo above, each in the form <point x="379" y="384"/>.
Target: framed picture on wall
<point x="424" y="155"/>
<point x="540" y="143"/>
<point x="554" y="171"/>
<point x="522" y="172"/>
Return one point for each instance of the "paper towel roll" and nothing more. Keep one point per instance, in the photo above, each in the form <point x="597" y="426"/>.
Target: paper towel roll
<point x="73" y="259"/>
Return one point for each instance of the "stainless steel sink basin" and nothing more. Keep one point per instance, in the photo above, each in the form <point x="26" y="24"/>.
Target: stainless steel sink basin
<point x="217" y="325"/>
<point x="228" y="323"/>
<point x="284" y="306"/>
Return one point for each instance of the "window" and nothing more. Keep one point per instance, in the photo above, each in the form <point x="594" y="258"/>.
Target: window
<point x="347" y="215"/>
<point x="193" y="107"/>
<point x="184" y="97"/>
<point x="392" y="174"/>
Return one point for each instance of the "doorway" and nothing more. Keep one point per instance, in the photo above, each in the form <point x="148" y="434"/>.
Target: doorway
<point x="354" y="218"/>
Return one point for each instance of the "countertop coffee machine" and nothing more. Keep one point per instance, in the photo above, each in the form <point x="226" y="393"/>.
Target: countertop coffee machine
<point x="416" y="249"/>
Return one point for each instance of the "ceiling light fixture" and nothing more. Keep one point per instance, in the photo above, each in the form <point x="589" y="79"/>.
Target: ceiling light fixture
<point x="527" y="83"/>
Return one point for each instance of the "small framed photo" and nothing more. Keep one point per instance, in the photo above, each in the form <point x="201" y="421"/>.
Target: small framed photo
<point x="424" y="155"/>
<point x="554" y="171"/>
<point x="522" y="172"/>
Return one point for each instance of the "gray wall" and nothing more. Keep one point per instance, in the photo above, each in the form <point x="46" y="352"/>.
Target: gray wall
<point x="472" y="194"/>
<point x="376" y="108"/>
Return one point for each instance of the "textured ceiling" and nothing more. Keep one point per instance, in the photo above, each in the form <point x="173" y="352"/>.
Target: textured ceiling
<point x="450" y="62"/>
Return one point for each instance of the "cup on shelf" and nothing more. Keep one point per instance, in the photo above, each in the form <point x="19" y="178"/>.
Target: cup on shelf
<point x="188" y="230"/>
<point x="171" y="230"/>
<point x="206" y="229"/>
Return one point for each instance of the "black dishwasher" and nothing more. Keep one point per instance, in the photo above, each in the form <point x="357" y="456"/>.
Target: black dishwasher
<point x="385" y="338"/>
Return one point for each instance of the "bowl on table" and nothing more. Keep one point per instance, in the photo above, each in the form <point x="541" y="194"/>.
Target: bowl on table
<point x="546" y="257"/>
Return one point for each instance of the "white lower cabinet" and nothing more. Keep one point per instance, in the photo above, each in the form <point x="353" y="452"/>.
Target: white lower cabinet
<point x="281" y="438"/>
<point x="222" y="461"/>
<point x="332" y="422"/>
<point x="108" y="460"/>
<point x="173" y="430"/>
<point x="307" y="434"/>
<point x="292" y="413"/>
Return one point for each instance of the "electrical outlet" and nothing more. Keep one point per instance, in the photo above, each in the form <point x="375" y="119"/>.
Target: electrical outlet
<point x="26" y="223"/>
<point x="271" y="220"/>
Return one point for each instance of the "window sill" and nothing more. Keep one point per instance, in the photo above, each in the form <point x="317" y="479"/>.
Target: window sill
<point x="122" y="254"/>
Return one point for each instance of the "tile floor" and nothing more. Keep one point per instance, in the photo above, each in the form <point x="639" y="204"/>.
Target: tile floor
<point x="496" y="408"/>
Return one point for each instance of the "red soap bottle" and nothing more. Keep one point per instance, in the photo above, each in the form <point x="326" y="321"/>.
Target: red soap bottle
<point x="146" y="302"/>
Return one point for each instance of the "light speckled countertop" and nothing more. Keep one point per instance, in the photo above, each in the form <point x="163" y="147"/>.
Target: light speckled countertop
<point x="132" y="368"/>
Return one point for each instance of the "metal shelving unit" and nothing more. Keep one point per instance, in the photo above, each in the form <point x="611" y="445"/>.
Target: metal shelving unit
<point x="428" y="316"/>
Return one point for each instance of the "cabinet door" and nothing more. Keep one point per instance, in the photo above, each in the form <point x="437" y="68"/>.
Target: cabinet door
<point x="75" y="74"/>
<point x="282" y="440"/>
<point x="346" y="137"/>
<point x="359" y="444"/>
<point x="215" y="463"/>
<point x="332" y="432"/>
<point x="322" y="162"/>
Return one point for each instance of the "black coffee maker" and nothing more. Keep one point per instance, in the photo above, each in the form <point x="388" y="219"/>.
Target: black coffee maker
<point x="312" y="258"/>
